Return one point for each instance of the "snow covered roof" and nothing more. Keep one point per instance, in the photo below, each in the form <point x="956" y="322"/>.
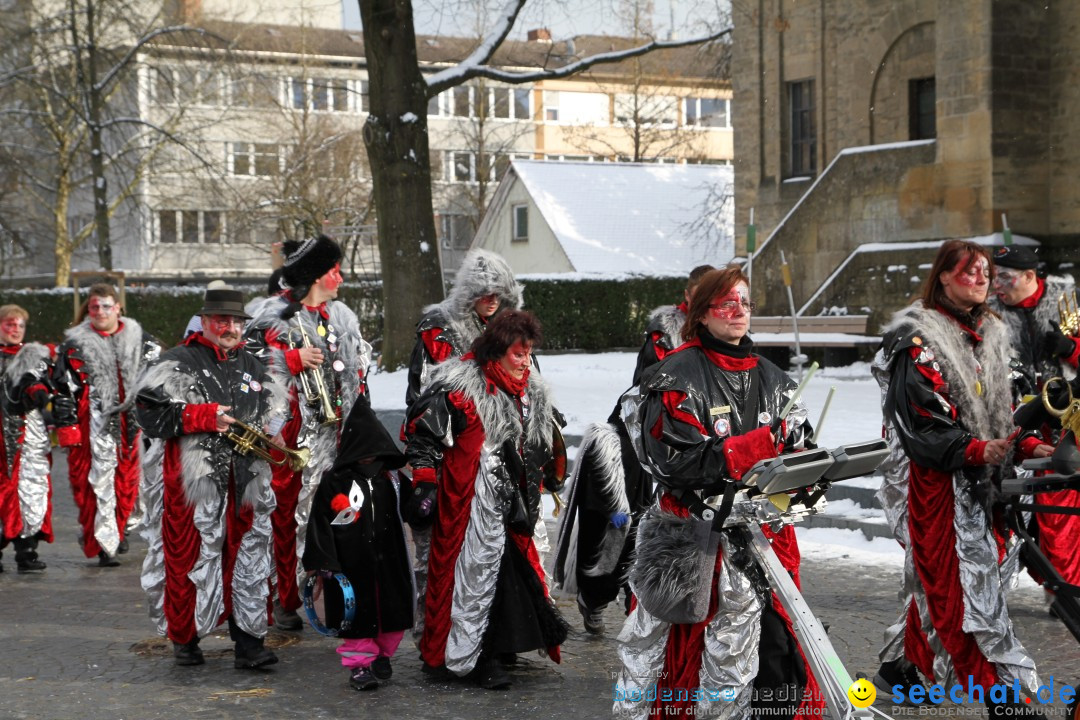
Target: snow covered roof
<point x="634" y="217"/>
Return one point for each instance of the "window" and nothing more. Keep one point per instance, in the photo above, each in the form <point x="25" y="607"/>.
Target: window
<point x="707" y="112"/>
<point x="645" y="110"/>
<point x="521" y="222"/>
<point x="455" y="231"/>
<point x="460" y="166"/>
<point x="922" y="95"/>
<point x="255" y="91"/>
<point x="363" y="98"/>
<point x="322" y="94"/>
<point x="510" y="104"/>
<point x="258" y="159"/>
<point x="460" y="101"/>
<point x="801" y="131"/>
<point x="189" y="227"/>
<point x="576" y="108"/>
<point x="186" y="86"/>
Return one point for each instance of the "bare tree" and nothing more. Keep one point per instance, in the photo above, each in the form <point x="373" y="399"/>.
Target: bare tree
<point x="72" y="99"/>
<point x="397" y="142"/>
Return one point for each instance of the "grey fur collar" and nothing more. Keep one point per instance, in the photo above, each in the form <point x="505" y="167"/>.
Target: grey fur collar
<point x="102" y="355"/>
<point x="601" y="443"/>
<point x="497" y="412"/>
<point x="352" y="349"/>
<point x="203" y="476"/>
<point x="30" y="357"/>
<point x="481" y="272"/>
<point x="988" y="415"/>
<point x="668" y="319"/>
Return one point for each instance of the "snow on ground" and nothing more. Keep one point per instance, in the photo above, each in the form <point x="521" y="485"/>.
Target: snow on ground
<point x="586" y="386"/>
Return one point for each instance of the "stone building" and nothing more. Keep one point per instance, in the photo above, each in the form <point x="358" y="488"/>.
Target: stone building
<point x="869" y="131"/>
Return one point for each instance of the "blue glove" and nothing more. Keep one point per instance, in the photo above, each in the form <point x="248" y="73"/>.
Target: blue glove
<point x="620" y="520"/>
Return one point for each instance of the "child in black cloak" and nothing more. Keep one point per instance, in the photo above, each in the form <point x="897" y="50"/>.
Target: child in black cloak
<point x="356" y="529"/>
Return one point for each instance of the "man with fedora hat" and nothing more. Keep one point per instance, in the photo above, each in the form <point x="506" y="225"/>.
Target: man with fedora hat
<point x="1028" y="304"/>
<point x="213" y="561"/>
<point x="312" y="344"/>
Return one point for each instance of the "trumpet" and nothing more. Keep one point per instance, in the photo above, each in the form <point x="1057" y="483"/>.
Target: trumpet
<point x="258" y="443"/>
<point x="559" y="504"/>
<point x="315" y="392"/>
<point x="1069" y="314"/>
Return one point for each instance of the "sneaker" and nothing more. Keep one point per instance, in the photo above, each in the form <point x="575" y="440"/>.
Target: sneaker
<point x="381" y="669"/>
<point x="107" y="560"/>
<point x="363" y="679"/>
<point x="490" y="675"/>
<point x="188" y="653"/>
<point x="122" y="547"/>
<point x="591" y="618"/>
<point x="902" y="673"/>
<point x="27" y="566"/>
<point x="286" y="619"/>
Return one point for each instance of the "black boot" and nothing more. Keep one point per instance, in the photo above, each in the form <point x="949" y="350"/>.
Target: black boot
<point x="188" y="653"/>
<point x="249" y="651"/>
<point x="104" y="559"/>
<point x="490" y="674"/>
<point x="26" y="557"/>
<point x="900" y="673"/>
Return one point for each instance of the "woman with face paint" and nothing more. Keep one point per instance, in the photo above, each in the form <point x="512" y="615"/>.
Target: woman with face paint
<point x="944" y="372"/>
<point x="335" y="351"/>
<point x="480" y="439"/>
<point x="710" y="412"/>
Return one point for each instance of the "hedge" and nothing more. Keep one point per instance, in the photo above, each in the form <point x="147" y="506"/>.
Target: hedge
<point x="576" y="314"/>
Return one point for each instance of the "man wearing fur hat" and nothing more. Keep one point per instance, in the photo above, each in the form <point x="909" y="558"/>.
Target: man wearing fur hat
<point x="26" y="393"/>
<point x="98" y="364"/>
<point x="215" y="560"/>
<point x="484" y="284"/>
<point x="1029" y="306"/>
<point x="307" y="339"/>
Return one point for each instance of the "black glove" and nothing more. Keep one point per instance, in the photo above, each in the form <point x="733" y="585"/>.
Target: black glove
<point x="1058" y="343"/>
<point x="420" y="511"/>
<point x="63" y="410"/>
<point x="38" y="397"/>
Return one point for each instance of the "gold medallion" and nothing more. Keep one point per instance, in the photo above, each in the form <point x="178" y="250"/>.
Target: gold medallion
<point x="321" y="330"/>
<point x="978" y="388"/>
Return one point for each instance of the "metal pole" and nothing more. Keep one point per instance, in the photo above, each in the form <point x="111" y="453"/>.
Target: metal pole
<point x="799" y="359"/>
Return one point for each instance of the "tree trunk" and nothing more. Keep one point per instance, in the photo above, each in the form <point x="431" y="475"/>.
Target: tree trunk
<point x="62" y="246"/>
<point x="97" y="157"/>
<point x="397" y="145"/>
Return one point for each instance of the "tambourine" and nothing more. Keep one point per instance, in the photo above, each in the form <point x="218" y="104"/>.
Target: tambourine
<point x="347" y="594"/>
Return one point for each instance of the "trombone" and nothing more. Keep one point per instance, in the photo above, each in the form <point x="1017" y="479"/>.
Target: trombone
<point x="1069" y="314"/>
<point x="258" y="443"/>
<point x="315" y="392"/>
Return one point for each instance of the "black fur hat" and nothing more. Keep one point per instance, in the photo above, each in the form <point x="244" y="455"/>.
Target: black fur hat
<point x="307" y="261"/>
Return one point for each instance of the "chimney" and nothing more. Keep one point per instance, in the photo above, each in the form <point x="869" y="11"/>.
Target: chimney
<point x="540" y="35"/>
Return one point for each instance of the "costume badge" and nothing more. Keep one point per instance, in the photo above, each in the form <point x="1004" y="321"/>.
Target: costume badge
<point x="524" y="399"/>
<point x="333" y="347"/>
<point x="256" y="386"/>
<point x="722" y="427"/>
<point x="351" y="513"/>
<point x="338" y="365"/>
<point x="330" y="327"/>
<point x="722" y="410"/>
<point x="206" y="372"/>
<point x="331" y="338"/>
<point x="764" y="418"/>
<point x="244" y="387"/>
<point x="247" y="377"/>
<point x="916" y="340"/>
<point x="321" y="330"/>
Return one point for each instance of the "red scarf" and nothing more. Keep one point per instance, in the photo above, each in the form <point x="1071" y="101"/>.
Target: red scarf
<point x="504" y="380"/>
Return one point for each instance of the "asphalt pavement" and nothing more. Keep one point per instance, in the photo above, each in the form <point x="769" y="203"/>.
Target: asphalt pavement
<point x="75" y="642"/>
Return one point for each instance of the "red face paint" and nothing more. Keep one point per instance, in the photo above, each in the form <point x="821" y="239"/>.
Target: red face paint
<point x="332" y="280"/>
<point x="735" y="303"/>
<point x="12" y="330"/>
<point x="974" y="275"/>
<point x="220" y="324"/>
<point x="517" y="359"/>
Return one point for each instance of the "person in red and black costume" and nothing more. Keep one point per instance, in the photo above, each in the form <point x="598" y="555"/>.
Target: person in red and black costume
<point x="664" y="331"/>
<point x="98" y="363"/>
<point x="480" y="439"/>
<point x="1028" y="304"/>
<point x="215" y="562"/>
<point x="28" y="405"/>
<point x="339" y="355"/>
<point x="711" y="410"/>
<point x="483" y="286"/>
<point x="945" y="362"/>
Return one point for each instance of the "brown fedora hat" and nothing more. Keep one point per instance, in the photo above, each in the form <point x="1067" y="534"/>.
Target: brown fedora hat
<point x="224" y="301"/>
